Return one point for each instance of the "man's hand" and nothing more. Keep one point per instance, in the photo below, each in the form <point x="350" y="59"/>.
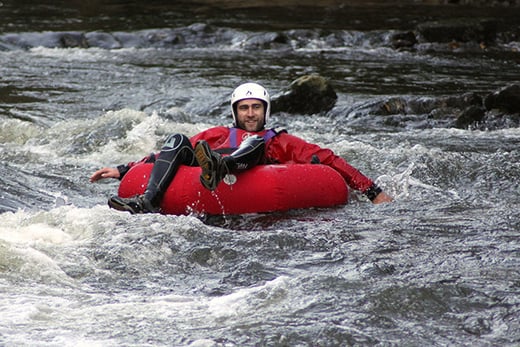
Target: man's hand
<point x="382" y="198"/>
<point x="106" y="172"/>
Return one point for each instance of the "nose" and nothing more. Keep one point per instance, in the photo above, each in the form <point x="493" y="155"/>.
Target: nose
<point x="250" y="111"/>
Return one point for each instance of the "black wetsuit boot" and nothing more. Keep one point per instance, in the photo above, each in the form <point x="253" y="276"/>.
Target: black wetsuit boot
<point x="249" y="154"/>
<point x="215" y="167"/>
<point x="176" y="150"/>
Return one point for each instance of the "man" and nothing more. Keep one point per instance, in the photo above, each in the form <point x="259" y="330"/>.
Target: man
<point x="222" y="150"/>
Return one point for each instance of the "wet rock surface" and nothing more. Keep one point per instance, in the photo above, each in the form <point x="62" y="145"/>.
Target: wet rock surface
<point x="496" y="110"/>
<point x="306" y="95"/>
<point x="311" y="94"/>
<point x="506" y="99"/>
<point x="460" y="30"/>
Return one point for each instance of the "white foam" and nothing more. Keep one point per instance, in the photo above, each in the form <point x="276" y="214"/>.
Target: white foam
<point x="145" y="136"/>
<point x="17" y="131"/>
<point x="247" y="300"/>
<point x="34" y="233"/>
<point x="92" y="54"/>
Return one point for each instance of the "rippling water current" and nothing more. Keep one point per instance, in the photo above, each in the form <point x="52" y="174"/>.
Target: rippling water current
<point x="439" y="266"/>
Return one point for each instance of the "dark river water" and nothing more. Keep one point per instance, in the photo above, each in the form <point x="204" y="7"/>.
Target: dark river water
<point x="85" y="85"/>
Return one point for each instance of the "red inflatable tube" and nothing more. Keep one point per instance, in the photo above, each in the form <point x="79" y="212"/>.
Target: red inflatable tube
<point x="264" y="188"/>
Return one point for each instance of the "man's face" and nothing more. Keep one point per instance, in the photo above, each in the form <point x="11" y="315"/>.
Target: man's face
<point x="250" y="114"/>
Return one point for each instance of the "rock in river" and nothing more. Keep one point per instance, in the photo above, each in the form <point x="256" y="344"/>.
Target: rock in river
<point x="308" y="94"/>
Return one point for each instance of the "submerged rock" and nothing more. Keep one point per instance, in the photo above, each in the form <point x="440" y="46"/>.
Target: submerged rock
<point x="469" y="116"/>
<point x="459" y="30"/>
<point x="73" y="40"/>
<point x="308" y="94"/>
<point x="499" y="110"/>
<point x="506" y="99"/>
<point x="404" y="40"/>
<point x="102" y="40"/>
<point x="391" y="106"/>
<point x="424" y="105"/>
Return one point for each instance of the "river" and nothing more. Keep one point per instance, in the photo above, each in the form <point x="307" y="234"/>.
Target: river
<point x="439" y="266"/>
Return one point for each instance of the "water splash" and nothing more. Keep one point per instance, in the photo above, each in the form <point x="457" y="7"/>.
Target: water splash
<point x="399" y="185"/>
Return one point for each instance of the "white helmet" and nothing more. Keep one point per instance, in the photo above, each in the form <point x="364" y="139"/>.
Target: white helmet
<point x="250" y="91"/>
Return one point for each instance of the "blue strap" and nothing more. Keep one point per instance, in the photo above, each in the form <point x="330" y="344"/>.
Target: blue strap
<point x="269" y="135"/>
<point x="233" y="137"/>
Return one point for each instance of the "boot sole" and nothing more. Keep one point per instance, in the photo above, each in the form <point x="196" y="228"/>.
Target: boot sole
<point x="117" y="204"/>
<point x="204" y="159"/>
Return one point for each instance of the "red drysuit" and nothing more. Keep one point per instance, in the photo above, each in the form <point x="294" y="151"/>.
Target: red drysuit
<point x="280" y="148"/>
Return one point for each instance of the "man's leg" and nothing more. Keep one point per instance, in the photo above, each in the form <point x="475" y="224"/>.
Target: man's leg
<point x="177" y="150"/>
<point x="215" y="167"/>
